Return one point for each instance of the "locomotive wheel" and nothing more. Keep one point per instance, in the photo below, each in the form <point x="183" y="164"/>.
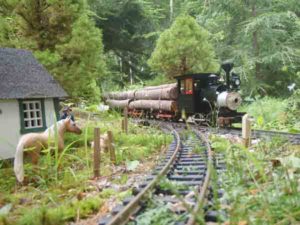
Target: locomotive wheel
<point x="199" y="119"/>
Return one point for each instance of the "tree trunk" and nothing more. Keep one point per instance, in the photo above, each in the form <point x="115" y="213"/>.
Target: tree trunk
<point x="130" y="73"/>
<point x="183" y="66"/>
<point x="256" y="46"/>
<point x="171" y="10"/>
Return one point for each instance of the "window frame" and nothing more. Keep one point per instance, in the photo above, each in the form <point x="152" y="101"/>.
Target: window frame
<point x="25" y="130"/>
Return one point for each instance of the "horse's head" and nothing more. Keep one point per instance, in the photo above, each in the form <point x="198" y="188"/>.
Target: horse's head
<point x="71" y="126"/>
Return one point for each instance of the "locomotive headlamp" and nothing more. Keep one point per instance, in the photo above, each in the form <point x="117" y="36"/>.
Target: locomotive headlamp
<point x="235" y="81"/>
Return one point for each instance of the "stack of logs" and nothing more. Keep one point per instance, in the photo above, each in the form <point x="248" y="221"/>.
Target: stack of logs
<point x="161" y="97"/>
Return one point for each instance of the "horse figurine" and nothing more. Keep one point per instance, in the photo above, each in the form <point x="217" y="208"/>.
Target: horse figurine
<point x="36" y="141"/>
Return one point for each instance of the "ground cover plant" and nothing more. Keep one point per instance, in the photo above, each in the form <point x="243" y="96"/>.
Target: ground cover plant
<point x="261" y="183"/>
<point x="275" y="114"/>
<point x="62" y="190"/>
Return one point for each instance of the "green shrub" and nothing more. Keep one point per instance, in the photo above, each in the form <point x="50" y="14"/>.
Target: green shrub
<point x="275" y="114"/>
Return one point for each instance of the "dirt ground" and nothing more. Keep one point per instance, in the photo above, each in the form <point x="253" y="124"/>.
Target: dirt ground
<point x="134" y="178"/>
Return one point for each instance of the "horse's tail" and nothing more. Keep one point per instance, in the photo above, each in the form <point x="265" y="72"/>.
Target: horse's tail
<point x="18" y="162"/>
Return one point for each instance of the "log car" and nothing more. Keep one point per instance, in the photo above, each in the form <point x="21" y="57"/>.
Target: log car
<point x="202" y="97"/>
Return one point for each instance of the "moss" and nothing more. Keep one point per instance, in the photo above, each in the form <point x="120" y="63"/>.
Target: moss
<point x="106" y="193"/>
<point x="60" y="214"/>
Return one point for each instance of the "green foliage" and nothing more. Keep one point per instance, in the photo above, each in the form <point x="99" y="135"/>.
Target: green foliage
<point x="183" y="48"/>
<point x="61" y="214"/>
<point x="261" y="37"/>
<point x="263" y="188"/>
<point x="275" y="114"/>
<point x="129" y="31"/>
<point x="62" y="37"/>
<point x="83" y="61"/>
<point x="158" y="214"/>
<point x="293" y="109"/>
<point x="158" y="80"/>
<point x="61" y="177"/>
<point x="268" y="112"/>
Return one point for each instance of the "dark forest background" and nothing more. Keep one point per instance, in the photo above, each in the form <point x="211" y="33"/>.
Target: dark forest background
<point x="98" y="45"/>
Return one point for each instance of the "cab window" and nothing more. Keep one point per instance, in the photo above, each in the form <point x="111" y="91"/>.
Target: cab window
<point x="182" y="88"/>
<point x="186" y="86"/>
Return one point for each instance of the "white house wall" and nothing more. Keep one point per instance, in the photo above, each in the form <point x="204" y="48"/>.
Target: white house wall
<point x="10" y="125"/>
<point x="49" y="112"/>
<point x="9" y="128"/>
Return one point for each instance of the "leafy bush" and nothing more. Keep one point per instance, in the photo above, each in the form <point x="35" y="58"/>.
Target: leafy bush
<point x="264" y="188"/>
<point x="275" y="114"/>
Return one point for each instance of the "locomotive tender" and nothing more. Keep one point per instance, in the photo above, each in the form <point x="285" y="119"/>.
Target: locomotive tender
<point x="202" y="97"/>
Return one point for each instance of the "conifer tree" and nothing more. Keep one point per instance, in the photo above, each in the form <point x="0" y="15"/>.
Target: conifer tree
<point x="63" y="38"/>
<point x="183" y="48"/>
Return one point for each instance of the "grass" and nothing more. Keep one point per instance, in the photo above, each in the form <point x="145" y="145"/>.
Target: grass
<point x="275" y="114"/>
<point x="61" y="189"/>
<point x="262" y="184"/>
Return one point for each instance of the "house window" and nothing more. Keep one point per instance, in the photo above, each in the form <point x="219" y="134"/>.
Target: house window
<point x="32" y="111"/>
<point x="32" y="115"/>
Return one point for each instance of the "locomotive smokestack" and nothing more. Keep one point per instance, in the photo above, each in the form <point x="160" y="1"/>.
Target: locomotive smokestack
<point x="227" y="67"/>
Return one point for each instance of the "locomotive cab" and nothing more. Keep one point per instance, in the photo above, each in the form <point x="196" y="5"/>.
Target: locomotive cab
<point x="204" y="98"/>
<point x="196" y="91"/>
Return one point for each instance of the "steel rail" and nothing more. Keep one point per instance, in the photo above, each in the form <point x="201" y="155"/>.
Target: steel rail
<point x="254" y="132"/>
<point x="261" y="131"/>
<point x="204" y="187"/>
<point x="123" y="216"/>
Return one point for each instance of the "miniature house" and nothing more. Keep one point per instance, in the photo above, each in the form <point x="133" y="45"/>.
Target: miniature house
<point x="29" y="98"/>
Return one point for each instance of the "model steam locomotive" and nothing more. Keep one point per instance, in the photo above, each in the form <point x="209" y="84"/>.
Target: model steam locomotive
<point x="201" y="97"/>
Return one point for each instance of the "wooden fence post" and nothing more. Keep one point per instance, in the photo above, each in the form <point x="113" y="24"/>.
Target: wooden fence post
<point x="111" y="147"/>
<point x="123" y="125"/>
<point x="246" y="130"/>
<point x="97" y="152"/>
<point x="126" y="119"/>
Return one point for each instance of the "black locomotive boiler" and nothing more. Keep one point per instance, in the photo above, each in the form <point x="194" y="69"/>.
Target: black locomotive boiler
<point x="200" y="98"/>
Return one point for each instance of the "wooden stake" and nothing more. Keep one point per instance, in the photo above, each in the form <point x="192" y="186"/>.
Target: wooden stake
<point x="111" y="147"/>
<point x="126" y="119"/>
<point x="123" y="125"/>
<point x="246" y="130"/>
<point x="97" y="150"/>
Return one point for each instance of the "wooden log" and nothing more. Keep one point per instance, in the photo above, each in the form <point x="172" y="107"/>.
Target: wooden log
<point x="168" y="93"/>
<point x="167" y="89"/>
<point x="165" y="105"/>
<point x="97" y="156"/>
<point x="161" y="86"/>
<point x="118" y="103"/>
<point x="120" y="95"/>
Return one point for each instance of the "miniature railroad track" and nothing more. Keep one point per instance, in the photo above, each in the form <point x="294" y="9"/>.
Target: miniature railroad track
<point x="187" y="165"/>
<point x="292" y="138"/>
<point x="265" y="134"/>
